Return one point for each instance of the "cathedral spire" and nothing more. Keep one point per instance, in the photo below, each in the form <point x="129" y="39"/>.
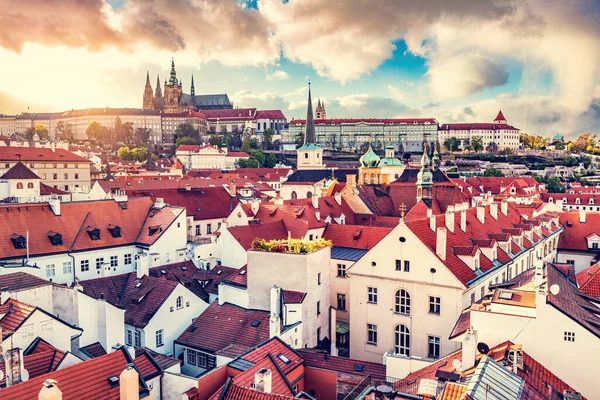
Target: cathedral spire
<point x="158" y="92"/>
<point x="173" y="80"/>
<point x="193" y="90"/>
<point x="147" y="78"/>
<point x="309" y="136"/>
<point x="148" y="103"/>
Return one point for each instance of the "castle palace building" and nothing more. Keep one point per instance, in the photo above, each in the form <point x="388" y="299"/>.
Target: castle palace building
<point x="172" y="99"/>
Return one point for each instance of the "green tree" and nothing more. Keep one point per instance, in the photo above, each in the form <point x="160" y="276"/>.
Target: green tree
<point x="246" y="145"/>
<point x="215" y="140"/>
<point x="452" y="144"/>
<point x="254" y="143"/>
<point x="142" y="135"/>
<point x="258" y="156"/>
<point x="139" y="153"/>
<point x="492" y="172"/>
<point x="96" y="132"/>
<point x="477" y="144"/>
<point x="187" y="130"/>
<point x="124" y="153"/>
<point x="268" y="139"/>
<point x="242" y="163"/>
<point x="252" y="163"/>
<point x="299" y="140"/>
<point x="186" y="140"/>
<point x="64" y="132"/>
<point x="38" y="129"/>
<point x="554" y="185"/>
<point x="270" y="161"/>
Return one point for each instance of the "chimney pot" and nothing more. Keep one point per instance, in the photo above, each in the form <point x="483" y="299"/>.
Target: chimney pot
<point x="129" y="383"/>
<point x="50" y="391"/>
<point x="469" y="349"/>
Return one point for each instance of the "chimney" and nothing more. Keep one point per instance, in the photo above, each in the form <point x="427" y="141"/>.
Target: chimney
<point x="494" y="210"/>
<point x="160" y="203"/>
<point x="53" y="147"/>
<point x="54" y="204"/>
<point x="188" y="187"/>
<point x="469" y="349"/>
<point x="120" y="196"/>
<point x="318" y="215"/>
<point x="463" y="220"/>
<point x="481" y="213"/>
<point x="143" y="265"/>
<point x="504" y="207"/>
<point x="13" y="366"/>
<point x="262" y="380"/>
<point x="351" y="181"/>
<point x="559" y="203"/>
<point x="432" y="222"/>
<point x="440" y="243"/>
<point x="582" y="216"/>
<point x="315" y="201"/>
<point x="255" y="206"/>
<point x="129" y="383"/>
<point x="275" y="309"/>
<point x="450" y="218"/>
<point x="233" y="190"/>
<point x="50" y="391"/>
<point x="338" y="198"/>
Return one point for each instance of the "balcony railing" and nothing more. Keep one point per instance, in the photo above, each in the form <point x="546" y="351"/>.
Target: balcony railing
<point x="197" y="240"/>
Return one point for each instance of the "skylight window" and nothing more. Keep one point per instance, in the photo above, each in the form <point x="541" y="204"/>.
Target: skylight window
<point x="255" y="324"/>
<point x="284" y="359"/>
<point x="18" y="241"/>
<point x="55" y="238"/>
<point x="359" y="367"/>
<point x="505" y="295"/>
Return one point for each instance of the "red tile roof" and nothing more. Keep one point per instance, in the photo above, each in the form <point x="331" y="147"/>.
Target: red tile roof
<point x="38" y="220"/>
<point x="293" y="297"/>
<point x="270" y="114"/>
<point x="185" y="273"/>
<point x="216" y="275"/>
<point x="38" y="345"/>
<point x="87" y="380"/>
<point x="500" y="117"/>
<point x="19" y="171"/>
<point x="244" y="235"/>
<point x="463" y="323"/>
<point x="197" y="148"/>
<point x="34" y="154"/>
<point x="575" y="233"/>
<point x="375" y="121"/>
<point x="355" y="236"/>
<point x="20" y="281"/>
<point x="164" y="362"/>
<point x="13" y="313"/>
<point x="141" y="298"/>
<point x="238" y="278"/>
<point x="94" y="350"/>
<point x="318" y="359"/>
<point x="275" y="346"/>
<point x="37" y="364"/>
<point x="47" y="190"/>
<point x="589" y="280"/>
<point x="221" y="325"/>
<point x="228" y="113"/>
<point x="238" y="154"/>
<point x="147" y="367"/>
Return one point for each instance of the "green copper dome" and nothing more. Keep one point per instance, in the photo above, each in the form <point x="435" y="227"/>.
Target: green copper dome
<point x="369" y="159"/>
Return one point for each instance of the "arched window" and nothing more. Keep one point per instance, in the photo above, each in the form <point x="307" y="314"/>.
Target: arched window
<point x="402" y="302"/>
<point x="30" y="185"/>
<point x="19" y="185"/>
<point x="591" y="201"/>
<point x="402" y="340"/>
<point x="372" y="179"/>
<point x="366" y="179"/>
<point x="294" y="195"/>
<point x="179" y="302"/>
<point x="309" y="195"/>
<point x="578" y="201"/>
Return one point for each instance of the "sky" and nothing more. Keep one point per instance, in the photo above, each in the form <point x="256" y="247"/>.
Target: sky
<point x="453" y="60"/>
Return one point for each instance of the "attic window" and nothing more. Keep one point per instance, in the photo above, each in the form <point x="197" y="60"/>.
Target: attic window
<point x="243" y="272"/>
<point x="93" y="232"/>
<point x="113" y="381"/>
<point x="123" y="206"/>
<point x="114" y="230"/>
<point x="359" y="367"/>
<point x="162" y="271"/>
<point x="18" y="241"/>
<point x="183" y="268"/>
<point x="505" y="295"/>
<point x="284" y="359"/>
<point x="255" y="324"/>
<point x="191" y="329"/>
<point x="153" y="229"/>
<point x="55" y="238"/>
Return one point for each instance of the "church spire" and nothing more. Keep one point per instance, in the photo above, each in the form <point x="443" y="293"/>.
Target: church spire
<point x="309" y="135"/>
<point x="424" y="177"/>
<point x="158" y="92"/>
<point x="173" y="80"/>
<point x="148" y="103"/>
<point x="193" y="90"/>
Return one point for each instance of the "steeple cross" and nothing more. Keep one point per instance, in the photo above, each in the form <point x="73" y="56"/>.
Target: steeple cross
<point x="402" y="209"/>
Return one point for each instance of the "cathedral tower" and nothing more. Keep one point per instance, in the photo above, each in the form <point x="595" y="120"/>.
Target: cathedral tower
<point x="193" y="90"/>
<point x="173" y="92"/>
<point x="320" y="110"/>
<point x="310" y="155"/>
<point x="158" y="93"/>
<point x="424" y="178"/>
<point x="148" y="98"/>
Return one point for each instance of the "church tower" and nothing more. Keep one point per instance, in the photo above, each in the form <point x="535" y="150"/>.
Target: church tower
<point x="193" y="90"/>
<point x="500" y="118"/>
<point x="173" y="92"/>
<point x="158" y="93"/>
<point x="310" y="155"/>
<point x="424" y="178"/>
<point x="148" y="98"/>
<point x="320" y="111"/>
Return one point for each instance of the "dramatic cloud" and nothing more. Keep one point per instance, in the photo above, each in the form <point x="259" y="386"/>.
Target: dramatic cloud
<point x="265" y="101"/>
<point x="277" y="76"/>
<point x="464" y="74"/>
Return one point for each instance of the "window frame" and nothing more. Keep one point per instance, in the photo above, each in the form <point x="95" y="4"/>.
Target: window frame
<point x="372" y="334"/>
<point x="160" y="334"/>
<point x="435" y="302"/>
<point x="434" y="342"/>
<point x="372" y="295"/>
<point x="402" y="303"/>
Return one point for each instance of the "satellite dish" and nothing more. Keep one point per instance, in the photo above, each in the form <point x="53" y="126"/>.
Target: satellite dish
<point x="25" y="376"/>
<point x="457" y="365"/>
<point x="483" y="348"/>
<point x="554" y="289"/>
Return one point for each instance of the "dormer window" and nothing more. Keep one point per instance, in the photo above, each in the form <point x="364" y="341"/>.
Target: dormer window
<point x="153" y="229"/>
<point x="55" y="238"/>
<point x="93" y="232"/>
<point x="591" y="201"/>
<point x="115" y="230"/>
<point x="18" y="241"/>
<point x="578" y="201"/>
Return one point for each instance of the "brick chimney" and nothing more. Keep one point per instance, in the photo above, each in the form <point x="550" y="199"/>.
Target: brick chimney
<point x="129" y="383"/>
<point x="50" y="391"/>
<point x="481" y="213"/>
<point x="54" y="204"/>
<point x="143" y="265"/>
<point x="432" y="222"/>
<point x="463" y="220"/>
<point x="262" y="380"/>
<point x="351" y="181"/>
<point x="160" y="203"/>
<point x="494" y="210"/>
<point x="233" y="190"/>
<point x="440" y="243"/>
<point x="504" y="207"/>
